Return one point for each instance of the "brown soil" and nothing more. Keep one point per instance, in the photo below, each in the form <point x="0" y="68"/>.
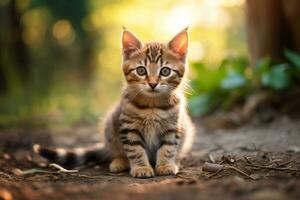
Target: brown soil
<point x="269" y="154"/>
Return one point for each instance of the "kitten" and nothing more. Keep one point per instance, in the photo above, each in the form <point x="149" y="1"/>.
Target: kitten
<point x="149" y="128"/>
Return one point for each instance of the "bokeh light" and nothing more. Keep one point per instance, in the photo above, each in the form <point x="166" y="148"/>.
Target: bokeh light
<point x="63" y="32"/>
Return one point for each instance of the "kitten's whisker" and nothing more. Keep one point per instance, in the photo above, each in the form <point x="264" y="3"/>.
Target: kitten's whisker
<point x="186" y="88"/>
<point x="135" y="95"/>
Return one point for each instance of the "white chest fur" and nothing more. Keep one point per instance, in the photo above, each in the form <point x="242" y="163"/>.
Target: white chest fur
<point x="151" y="131"/>
<point x="153" y="125"/>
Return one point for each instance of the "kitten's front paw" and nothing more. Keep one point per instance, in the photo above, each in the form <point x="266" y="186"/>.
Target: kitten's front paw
<point x="142" y="172"/>
<point x="167" y="169"/>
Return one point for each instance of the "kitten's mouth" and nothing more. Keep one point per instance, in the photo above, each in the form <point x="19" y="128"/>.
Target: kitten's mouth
<point x="152" y="92"/>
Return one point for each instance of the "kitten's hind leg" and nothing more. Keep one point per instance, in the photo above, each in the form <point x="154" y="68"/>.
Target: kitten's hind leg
<point x="119" y="164"/>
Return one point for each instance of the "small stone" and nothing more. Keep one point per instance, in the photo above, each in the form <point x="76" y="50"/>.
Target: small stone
<point x="6" y="156"/>
<point x="294" y="149"/>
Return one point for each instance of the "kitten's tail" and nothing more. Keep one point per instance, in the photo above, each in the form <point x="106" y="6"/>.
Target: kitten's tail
<point x="74" y="157"/>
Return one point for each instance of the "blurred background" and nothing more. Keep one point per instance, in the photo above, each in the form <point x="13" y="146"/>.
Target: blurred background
<point x="60" y="60"/>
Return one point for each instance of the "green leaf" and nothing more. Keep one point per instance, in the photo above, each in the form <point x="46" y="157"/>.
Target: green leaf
<point x="278" y="77"/>
<point x="201" y="104"/>
<point x="293" y="58"/>
<point x="263" y="66"/>
<point x="234" y="64"/>
<point x="198" y="67"/>
<point x="207" y="79"/>
<point x="233" y="80"/>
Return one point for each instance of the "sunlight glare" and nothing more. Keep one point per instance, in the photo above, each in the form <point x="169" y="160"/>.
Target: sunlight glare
<point x="196" y="51"/>
<point x="179" y="18"/>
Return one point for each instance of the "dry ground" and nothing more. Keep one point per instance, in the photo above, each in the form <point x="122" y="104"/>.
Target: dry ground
<point x="267" y="152"/>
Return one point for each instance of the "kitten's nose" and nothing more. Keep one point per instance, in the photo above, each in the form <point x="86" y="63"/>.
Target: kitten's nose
<point x="153" y="85"/>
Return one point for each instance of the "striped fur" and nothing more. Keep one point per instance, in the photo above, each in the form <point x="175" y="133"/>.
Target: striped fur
<point x="73" y="157"/>
<point x="149" y="130"/>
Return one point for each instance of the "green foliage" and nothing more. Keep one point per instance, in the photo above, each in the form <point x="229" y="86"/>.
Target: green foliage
<point x="293" y="58"/>
<point x="202" y="103"/>
<point x="277" y="77"/>
<point x="220" y="87"/>
<point x="272" y="75"/>
<point x="234" y="79"/>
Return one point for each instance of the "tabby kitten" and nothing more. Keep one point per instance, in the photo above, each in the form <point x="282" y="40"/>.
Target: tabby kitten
<point x="149" y="128"/>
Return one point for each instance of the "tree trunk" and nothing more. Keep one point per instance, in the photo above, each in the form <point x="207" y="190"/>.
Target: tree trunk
<point x="291" y="10"/>
<point x="13" y="54"/>
<point x="18" y="49"/>
<point x="273" y="25"/>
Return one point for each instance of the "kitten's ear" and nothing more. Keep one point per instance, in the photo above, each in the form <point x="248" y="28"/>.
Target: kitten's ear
<point x="179" y="44"/>
<point x="130" y="43"/>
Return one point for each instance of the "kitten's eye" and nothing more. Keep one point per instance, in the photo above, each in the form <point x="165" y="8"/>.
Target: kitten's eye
<point x="141" y="71"/>
<point x="165" y="71"/>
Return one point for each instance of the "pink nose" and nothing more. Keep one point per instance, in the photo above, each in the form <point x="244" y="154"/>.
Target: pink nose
<point x="152" y="85"/>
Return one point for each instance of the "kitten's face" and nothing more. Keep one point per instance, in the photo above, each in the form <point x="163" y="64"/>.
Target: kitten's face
<point x="154" y="68"/>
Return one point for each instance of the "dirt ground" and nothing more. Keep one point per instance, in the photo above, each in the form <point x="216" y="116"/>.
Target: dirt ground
<point x="260" y="160"/>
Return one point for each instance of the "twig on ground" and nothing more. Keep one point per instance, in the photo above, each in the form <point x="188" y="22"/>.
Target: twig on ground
<point x="19" y="172"/>
<point x="273" y="168"/>
<point x="284" y="163"/>
<point x="92" y="177"/>
<point x="221" y="161"/>
<point x="6" y="175"/>
<point x="211" y="158"/>
<point x="240" y="171"/>
<point x="217" y="168"/>
<point x="248" y="160"/>
<point x="61" y="169"/>
<point x="213" y="174"/>
<point x="228" y="159"/>
<point x="213" y="168"/>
